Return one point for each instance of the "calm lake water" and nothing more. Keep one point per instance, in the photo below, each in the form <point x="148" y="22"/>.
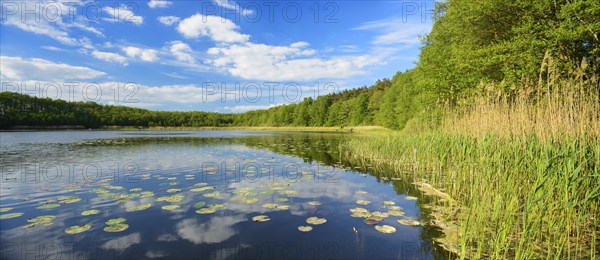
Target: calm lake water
<point x="194" y="195"/>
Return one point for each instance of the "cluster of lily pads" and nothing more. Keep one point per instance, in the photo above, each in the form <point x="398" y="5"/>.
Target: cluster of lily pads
<point x="373" y="218"/>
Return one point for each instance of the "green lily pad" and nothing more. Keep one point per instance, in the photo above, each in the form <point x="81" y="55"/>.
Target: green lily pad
<point x="396" y="213"/>
<point x="116" y="228"/>
<point x="410" y="198"/>
<point x="250" y="200"/>
<point x="171" y="207"/>
<point x="201" y="184"/>
<point x="11" y="215"/>
<point x="212" y="194"/>
<point x="261" y="218"/>
<point x="282" y="207"/>
<point x="146" y="194"/>
<point x="174" y="198"/>
<point x="385" y="229"/>
<point x="314" y="203"/>
<point x="270" y="205"/>
<point x="114" y="221"/>
<point x="77" y="229"/>
<point x="2" y="210"/>
<point x="315" y="221"/>
<point x="395" y="208"/>
<point x="201" y="189"/>
<point x="173" y="183"/>
<point x="204" y="211"/>
<point x="136" y="189"/>
<point x="36" y="224"/>
<point x="409" y="222"/>
<point x="173" y="190"/>
<point x="139" y="207"/>
<point x="305" y="228"/>
<point x="363" y="202"/>
<point x="48" y="206"/>
<point x="44" y="218"/>
<point x="265" y="192"/>
<point x="199" y="204"/>
<point x="90" y="212"/>
<point x="216" y="206"/>
<point x="361" y="192"/>
<point x="387" y="202"/>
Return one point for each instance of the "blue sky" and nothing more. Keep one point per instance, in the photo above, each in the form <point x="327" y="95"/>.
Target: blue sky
<point x="211" y="55"/>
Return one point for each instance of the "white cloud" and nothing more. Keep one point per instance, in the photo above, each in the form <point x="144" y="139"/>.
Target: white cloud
<point x="18" y="68"/>
<point x="182" y="51"/>
<point x="396" y="31"/>
<point x="159" y="4"/>
<point x="110" y="57"/>
<point x="294" y="62"/>
<point x="52" y="48"/>
<point x="52" y="23"/>
<point x="217" y="28"/>
<point x="143" y="54"/>
<point x="168" y="20"/>
<point x="228" y="4"/>
<point x="122" y="14"/>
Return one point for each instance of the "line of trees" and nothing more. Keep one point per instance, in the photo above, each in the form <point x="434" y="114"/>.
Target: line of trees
<point x="470" y="42"/>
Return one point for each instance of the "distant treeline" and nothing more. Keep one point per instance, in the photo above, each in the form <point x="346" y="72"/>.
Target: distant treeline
<point x="471" y="42"/>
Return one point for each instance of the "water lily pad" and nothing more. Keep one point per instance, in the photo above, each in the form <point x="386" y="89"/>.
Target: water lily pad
<point x="114" y="221"/>
<point x="139" y="207"/>
<point x="283" y="199"/>
<point x="173" y="190"/>
<point x="212" y="194"/>
<point x="378" y="214"/>
<point x="2" y="210"/>
<point x="206" y="211"/>
<point x="396" y="213"/>
<point x="201" y="189"/>
<point x="261" y="218"/>
<point x="395" y="208"/>
<point x="387" y="202"/>
<point x="315" y="221"/>
<point x="216" y="206"/>
<point x="171" y="207"/>
<point x="146" y="194"/>
<point x="363" y="202"/>
<point x="361" y="192"/>
<point x="77" y="229"/>
<point x="44" y="218"/>
<point x="172" y="199"/>
<point x="136" y="189"/>
<point x="11" y="215"/>
<point x="270" y="205"/>
<point x="410" y="198"/>
<point x="37" y="224"/>
<point x="48" y="206"/>
<point x="385" y="229"/>
<point x="283" y="207"/>
<point x="173" y="183"/>
<point x="305" y="228"/>
<point x="90" y="212"/>
<point x="116" y="228"/>
<point x="199" y="204"/>
<point x="250" y="200"/>
<point x="265" y="192"/>
<point x="201" y="184"/>
<point x="371" y="221"/>
<point x="409" y="222"/>
<point x="314" y="203"/>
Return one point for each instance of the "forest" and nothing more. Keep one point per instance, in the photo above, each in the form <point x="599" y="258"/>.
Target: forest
<point x="471" y="44"/>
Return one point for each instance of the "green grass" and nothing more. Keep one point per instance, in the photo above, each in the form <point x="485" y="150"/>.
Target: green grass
<point x="513" y="197"/>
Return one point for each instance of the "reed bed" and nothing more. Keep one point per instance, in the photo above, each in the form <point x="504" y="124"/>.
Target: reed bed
<point x="521" y="164"/>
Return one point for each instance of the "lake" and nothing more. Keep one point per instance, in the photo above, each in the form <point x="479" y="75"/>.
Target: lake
<point x="202" y="195"/>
